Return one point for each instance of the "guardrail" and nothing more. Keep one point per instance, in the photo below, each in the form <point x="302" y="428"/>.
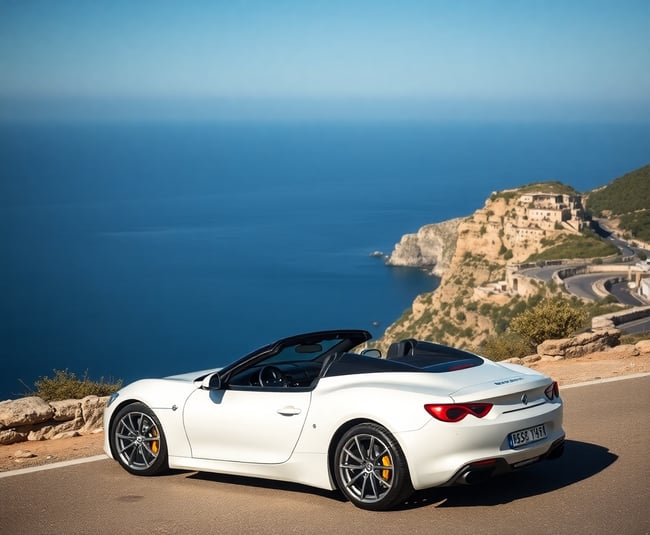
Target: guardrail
<point x="607" y="321"/>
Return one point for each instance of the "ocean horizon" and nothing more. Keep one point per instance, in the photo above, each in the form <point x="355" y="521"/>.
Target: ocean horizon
<point x="132" y="250"/>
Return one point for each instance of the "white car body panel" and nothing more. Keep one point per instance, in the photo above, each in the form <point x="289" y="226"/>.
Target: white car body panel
<point x="288" y="434"/>
<point x="263" y="426"/>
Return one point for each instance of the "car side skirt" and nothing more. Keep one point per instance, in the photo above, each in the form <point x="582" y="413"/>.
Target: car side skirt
<point x="306" y="468"/>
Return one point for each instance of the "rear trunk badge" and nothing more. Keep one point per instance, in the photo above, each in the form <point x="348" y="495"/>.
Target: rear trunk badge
<point x="524" y="399"/>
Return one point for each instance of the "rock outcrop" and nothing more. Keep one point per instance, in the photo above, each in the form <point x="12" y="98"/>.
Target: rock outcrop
<point x="579" y="345"/>
<point x="596" y="345"/>
<point x="31" y="418"/>
<point x="432" y="247"/>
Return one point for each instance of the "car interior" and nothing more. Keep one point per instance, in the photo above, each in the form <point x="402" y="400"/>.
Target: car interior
<point x="300" y="366"/>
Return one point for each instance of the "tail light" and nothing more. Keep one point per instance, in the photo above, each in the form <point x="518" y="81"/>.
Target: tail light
<point x="455" y="412"/>
<point x="552" y="391"/>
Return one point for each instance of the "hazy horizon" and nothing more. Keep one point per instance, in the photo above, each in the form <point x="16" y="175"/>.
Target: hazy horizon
<point x="428" y="60"/>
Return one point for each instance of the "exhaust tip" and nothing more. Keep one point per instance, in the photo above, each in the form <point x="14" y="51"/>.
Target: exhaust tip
<point x="473" y="477"/>
<point x="478" y="472"/>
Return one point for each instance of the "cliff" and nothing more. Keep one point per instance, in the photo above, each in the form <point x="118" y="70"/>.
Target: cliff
<point x="511" y="226"/>
<point x="432" y="247"/>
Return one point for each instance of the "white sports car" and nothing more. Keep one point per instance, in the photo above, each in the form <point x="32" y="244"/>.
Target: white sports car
<point x="306" y="409"/>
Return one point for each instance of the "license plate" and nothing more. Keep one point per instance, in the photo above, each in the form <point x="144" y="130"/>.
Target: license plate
<point x="526" y="436"/>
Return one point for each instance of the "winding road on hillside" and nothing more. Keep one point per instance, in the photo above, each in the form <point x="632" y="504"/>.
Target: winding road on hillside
<point x="600" y="485"/>
<point x="582" y="285"/>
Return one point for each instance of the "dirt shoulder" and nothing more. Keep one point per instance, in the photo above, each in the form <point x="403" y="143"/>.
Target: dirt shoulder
<point x="603" y="365"/>
<point x="36" y="453"/>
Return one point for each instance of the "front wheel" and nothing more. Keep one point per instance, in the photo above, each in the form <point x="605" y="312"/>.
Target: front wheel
<point x="371" y="469"/>
<point x="138" y="441"/>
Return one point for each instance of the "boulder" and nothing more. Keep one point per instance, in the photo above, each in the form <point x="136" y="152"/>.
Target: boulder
<point x="50" y="429"/>
<point x="40" y="432"/>
<point x="11" y="436"/>
<point x="68" y="409"/>
<point x="619" y="352"/>
<point x="24" y="454"/>
<point x="24" y="411"/>
<point x="643" y="347"/>
<point x="67" y="434"/>
<point x="92" y="408"/>
<point x="579" y="345"/>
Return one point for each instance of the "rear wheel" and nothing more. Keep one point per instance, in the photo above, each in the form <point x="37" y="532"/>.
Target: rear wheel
<point x="138" y="441"/>
<point x="371" y="469"/>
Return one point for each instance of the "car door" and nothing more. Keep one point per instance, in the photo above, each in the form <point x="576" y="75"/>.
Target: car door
<point x="248" y="425"/>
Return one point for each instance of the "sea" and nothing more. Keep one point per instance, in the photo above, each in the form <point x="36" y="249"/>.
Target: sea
<point x="132" y="250"/>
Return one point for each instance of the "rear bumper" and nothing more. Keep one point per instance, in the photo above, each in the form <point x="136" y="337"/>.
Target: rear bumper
<point x="478" y="472"/>
<point x="443" y="454"/>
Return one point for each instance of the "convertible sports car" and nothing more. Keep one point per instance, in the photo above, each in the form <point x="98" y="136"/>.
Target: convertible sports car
<point x="307" y="409"/>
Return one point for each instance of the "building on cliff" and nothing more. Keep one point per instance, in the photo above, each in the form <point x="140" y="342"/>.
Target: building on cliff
<point x="549" y="211"/>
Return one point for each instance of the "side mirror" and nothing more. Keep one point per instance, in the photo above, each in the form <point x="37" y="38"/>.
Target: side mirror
<point x="372" y="352"/>
<point x="211" y="382"/>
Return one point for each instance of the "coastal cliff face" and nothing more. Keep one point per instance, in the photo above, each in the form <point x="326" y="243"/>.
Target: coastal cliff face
<point x="432" y="247"/>
<point x="508" y="229"/>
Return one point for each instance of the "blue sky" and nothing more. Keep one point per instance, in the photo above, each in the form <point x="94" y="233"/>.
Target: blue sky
<point x="275" y="58"/>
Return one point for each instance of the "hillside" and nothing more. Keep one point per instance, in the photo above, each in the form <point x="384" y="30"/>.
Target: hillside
<point x="474" y="300"/>
<point x="626" y="203"/>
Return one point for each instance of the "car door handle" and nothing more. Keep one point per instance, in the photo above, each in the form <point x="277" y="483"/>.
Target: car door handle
<point x="289" y="411"/>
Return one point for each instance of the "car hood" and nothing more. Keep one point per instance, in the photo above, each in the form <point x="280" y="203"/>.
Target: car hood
<point x="163" y="393"/>
<point x="191" y="376"/>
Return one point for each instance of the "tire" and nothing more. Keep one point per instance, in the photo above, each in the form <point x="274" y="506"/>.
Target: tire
<point x="138" y="442"/>
<point x="370" y="468"/>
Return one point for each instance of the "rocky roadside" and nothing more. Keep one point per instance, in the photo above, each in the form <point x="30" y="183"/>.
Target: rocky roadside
<point x="614" y="362"/>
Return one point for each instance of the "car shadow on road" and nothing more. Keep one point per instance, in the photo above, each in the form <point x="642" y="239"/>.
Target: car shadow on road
<point x="266" y="484"/>
<point x="580" y="461"/>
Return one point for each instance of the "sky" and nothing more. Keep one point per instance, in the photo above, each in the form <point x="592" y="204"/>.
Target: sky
<point x="299" y="59"/>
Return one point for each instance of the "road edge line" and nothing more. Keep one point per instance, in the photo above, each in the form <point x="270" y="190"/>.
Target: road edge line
<point x="61" y="464"/>
<point x="605" y="380"/>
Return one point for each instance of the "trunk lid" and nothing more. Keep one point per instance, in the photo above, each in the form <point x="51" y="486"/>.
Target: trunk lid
<point x="497" y="382"/>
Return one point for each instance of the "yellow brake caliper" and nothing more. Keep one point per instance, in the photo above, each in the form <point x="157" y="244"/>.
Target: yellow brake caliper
<point x="155" y="444"/>
<point x="385" y="460"/>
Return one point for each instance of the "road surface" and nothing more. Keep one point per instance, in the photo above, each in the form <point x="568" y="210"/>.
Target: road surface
<point x="601" y="485"/>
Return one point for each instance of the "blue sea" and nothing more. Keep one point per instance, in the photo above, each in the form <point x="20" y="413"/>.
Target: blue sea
<point x="130" y="250"/>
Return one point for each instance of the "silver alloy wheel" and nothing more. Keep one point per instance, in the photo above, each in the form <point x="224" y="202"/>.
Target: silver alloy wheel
<point x="137" y="439"/>
<point x="366" y="468"/>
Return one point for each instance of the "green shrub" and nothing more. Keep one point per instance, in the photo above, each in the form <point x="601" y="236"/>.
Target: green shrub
<point x="506" y="346"/>
<point x="65" y="385"/>
<point x="551" y="318"/>
<point x="484" y="309"/>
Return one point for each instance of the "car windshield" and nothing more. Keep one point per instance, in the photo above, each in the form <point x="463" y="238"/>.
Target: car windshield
<point x="303" y="352"/>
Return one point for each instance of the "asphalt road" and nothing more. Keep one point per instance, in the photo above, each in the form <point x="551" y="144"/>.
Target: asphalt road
<point x="600" y="485"/>
<point x="622" y="293"/>
<point x="582" y="285"/>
